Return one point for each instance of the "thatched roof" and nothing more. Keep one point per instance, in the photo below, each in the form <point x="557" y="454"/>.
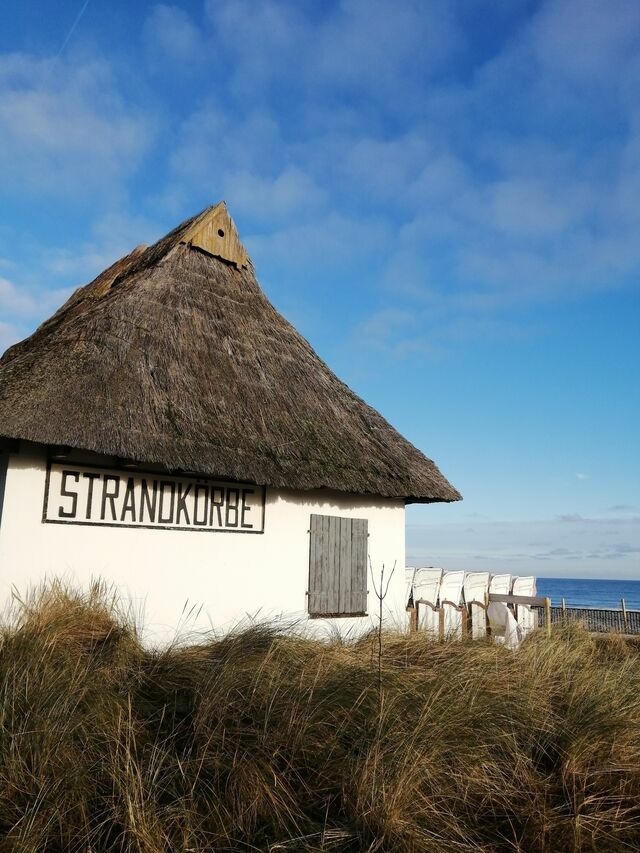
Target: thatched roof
<point x="174" y="356"/>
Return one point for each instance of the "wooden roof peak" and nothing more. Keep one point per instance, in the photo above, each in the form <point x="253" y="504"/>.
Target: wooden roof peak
<point x="214" y="232"/>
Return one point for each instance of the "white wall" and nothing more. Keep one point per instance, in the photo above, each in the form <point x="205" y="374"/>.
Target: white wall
<point x="164" y="573"/>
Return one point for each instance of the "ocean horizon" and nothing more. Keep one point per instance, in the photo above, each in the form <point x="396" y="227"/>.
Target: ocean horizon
<point x="591" y="592"/>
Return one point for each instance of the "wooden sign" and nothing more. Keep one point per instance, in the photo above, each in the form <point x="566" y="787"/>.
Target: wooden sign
<point x="78" y="494"/>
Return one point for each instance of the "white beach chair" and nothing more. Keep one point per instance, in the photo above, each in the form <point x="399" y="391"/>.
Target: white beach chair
<point x="476" y="587"/>
<point x="451" y="591"/>
<point x="525" y="615"/>
<point x="504" y="626"/>
<point x="426" y="588"/>
<point x="500" y="584"/>
<point x="409" y="573"/>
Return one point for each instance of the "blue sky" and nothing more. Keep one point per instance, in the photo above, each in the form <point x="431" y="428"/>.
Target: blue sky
<point x="442" y="195"/>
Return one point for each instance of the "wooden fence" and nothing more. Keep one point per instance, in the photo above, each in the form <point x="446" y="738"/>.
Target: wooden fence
<point x="597" y="620"/>
<point x="470" y="627"/>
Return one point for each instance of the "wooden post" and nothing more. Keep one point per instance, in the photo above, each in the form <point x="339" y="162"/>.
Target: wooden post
<point x="624" y="616"/>
<point x="547" y="615"/>
<point x="486" y="614"/>
<point x="413" y="618"/>
<point x="464" y="622"/>
<point x="441" y="621"/>
<point x="564" y="612"/>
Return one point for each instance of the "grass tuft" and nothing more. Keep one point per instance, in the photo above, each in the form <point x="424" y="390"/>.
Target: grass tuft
<point x="271" y="740"/>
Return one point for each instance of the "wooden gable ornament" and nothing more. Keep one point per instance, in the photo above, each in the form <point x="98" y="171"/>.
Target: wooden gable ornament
<point x="216" y="234"/>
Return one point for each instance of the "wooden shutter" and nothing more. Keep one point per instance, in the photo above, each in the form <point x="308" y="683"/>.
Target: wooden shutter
<point x="337" y="566"/>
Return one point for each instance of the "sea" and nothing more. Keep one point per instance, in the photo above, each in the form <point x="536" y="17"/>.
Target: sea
<point x="588" y="592"/>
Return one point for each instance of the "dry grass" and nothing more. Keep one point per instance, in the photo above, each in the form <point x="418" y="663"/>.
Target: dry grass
<point x="270" y="741"/>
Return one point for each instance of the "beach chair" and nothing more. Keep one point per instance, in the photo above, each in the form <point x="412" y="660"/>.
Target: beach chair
<point x="409" y="572"/>
<point x="426" y="588"/>
<point x="504" y="627"/>
<point x="476" y="587"/>
<point x="525" y="615"/>
<point x="500" y="584"/>
<point x="450" y="601"/>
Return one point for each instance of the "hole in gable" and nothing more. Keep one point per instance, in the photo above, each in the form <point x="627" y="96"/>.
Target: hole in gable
<point x="220" y="232"/>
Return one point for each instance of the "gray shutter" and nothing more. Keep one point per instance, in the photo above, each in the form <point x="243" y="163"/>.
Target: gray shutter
<point x="337" y="565"/>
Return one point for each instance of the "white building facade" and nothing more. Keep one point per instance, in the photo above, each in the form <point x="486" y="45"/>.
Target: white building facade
<point x="207" y="560"/>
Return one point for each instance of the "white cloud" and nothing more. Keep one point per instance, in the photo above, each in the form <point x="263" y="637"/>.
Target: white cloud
<point x="172" y="38"/>
<point x="113" y="235"/>
<point x="586" y="38"/>
<point x="365" y="45"/>
<point x="484" y="190"/>
<point x="259" y="41"/>
<point x="385" y="167"/>
<point x="64" y="128"/>
<point x="214" y="142"/>
<point x="24" y="304"/>
<point x="23" y="308"/>
<point x="290" y="193"/>
<point x="326" y="244"/>
<point x="55" y="271"/>
<point x="531" y="208"/>
<point x="489" y="204"/>
<point x="9" y="334"/>
<point x="354" y="46"/>
<point x="13" y="300"/>
<point x="430" y="329"/>
<point x="588" y="547"/>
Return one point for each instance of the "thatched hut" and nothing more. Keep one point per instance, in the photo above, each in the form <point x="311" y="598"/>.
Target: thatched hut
<point x="168" y="402"/>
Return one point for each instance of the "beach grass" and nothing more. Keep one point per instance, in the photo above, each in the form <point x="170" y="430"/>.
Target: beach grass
<point x="267" y="739"/>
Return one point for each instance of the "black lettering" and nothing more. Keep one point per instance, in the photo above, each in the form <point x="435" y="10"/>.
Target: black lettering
<point x="172" y="486"/>
<point x="245" y="509"/>
<point x="200" y="487"/>
<point x="65" y="493"/>
<point x="110" y="496"/>
<point x="90" y="478"/>
<point x="182" y="503"/>
<point x="150" y="503"/>
<point x="216" y="505"/>
<point x="232" y="508"/>
<point x="129" y="505"/>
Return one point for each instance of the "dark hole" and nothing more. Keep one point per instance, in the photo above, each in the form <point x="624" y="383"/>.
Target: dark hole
<point x="220" y="232"/>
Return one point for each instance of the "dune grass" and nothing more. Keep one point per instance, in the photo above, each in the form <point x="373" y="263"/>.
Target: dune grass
<point x="270" y="740"/>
